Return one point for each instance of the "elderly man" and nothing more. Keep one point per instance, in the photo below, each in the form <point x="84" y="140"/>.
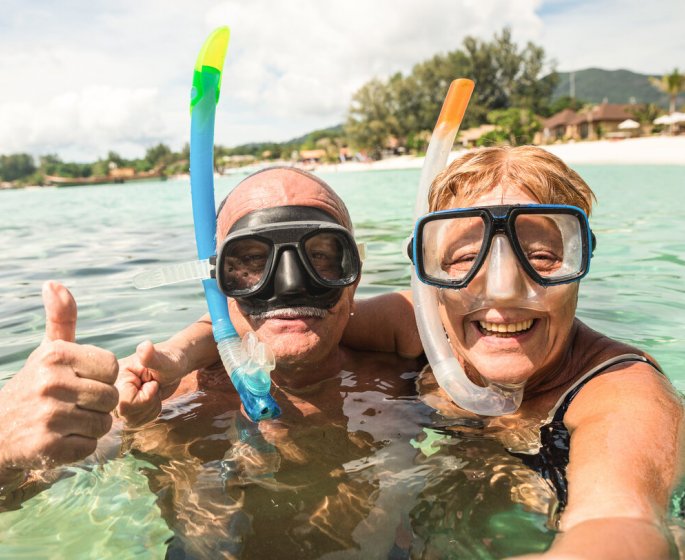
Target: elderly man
<point x="54" y="410"/>
<point x="217" y="464"/>
<point x="300" y="317"/>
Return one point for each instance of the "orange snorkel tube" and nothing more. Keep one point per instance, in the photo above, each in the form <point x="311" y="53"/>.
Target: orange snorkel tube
<point x="495" y="399"/>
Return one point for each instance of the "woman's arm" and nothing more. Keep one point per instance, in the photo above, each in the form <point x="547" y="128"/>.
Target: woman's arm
<point x="618" y="538"/>
<point x="626" y="453"/>
<point x="384" y="323"/>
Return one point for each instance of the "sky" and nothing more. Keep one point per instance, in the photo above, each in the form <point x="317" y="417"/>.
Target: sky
<point x="79" y="78"/>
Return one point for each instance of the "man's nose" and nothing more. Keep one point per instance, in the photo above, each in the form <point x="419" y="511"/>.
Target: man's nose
<point x="289" y="278"/>
<point x="505" y="278"/>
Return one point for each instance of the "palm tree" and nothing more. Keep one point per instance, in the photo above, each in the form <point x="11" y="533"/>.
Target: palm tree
<point x="671" y="84"/>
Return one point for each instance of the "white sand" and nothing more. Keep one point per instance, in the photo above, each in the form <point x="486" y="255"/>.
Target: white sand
<point x="656" y="150"/>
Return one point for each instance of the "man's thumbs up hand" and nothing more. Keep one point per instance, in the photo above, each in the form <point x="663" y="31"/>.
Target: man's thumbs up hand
<point x="60" y="313"/>
<point x="54" y="410"/>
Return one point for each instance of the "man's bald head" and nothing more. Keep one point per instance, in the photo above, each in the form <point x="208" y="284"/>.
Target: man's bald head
<point x="297" y="337"/>
<point x="279" y="186"/>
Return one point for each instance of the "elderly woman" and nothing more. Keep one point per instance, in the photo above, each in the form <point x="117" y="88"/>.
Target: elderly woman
<point x="506" y="244"/>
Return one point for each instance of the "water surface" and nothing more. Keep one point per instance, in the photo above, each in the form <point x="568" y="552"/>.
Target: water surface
<point x="349" y="483"/>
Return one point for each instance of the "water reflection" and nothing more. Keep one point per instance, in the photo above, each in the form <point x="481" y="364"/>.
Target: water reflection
<point x="343" y="474"/>
<point x="342" y="479"/>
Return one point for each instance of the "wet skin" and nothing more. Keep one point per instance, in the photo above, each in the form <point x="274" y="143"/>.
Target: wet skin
<point x="281" y="488"/>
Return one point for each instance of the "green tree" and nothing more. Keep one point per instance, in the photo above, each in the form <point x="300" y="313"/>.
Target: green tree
<point x="49" y="164"/>
<point x="531" y="89"/>
<point x="489" y="93"/>
<point x="404" y="104"/>
<point x="407" y="106"/>
<point x="158" y="156"/>
<point x="370" y="120"/>
<point x="16" y="166"/>
<point x="185" y="151"/>
<point x="100" y="168"/>
<point x="507" y="76"/>
<point x="514" y="127"/>
<point x="671" y="84"/>
<point x="116" y="159"/>
<point x="427" y="86"/>
<point x="565" y="102"/>
<point x="645" y="114"/>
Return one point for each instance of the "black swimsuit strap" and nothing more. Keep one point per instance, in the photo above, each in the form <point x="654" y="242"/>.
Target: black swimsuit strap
<point x="552" y="458"/>
<point x="571" y="394"/>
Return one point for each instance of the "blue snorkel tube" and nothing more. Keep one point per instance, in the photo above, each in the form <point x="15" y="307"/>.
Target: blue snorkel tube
<point x="249" y="363"/>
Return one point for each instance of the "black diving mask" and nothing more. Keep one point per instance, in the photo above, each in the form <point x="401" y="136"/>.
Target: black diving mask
<point x="288" y="256"/>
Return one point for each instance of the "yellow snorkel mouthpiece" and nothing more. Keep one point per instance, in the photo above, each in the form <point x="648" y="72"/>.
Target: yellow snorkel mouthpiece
<point x="210" y="60"/>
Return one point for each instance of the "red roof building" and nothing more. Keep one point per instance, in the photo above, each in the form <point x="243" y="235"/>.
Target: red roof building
<point x="592" y="123"/>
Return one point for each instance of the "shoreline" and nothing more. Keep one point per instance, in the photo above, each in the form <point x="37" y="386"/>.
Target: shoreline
<point x="651" y="150"/>
<point x="655" y="150"/>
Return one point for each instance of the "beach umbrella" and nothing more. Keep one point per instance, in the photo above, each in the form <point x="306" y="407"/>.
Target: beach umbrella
<point x="677" y="117"/>
<point x="673" y="118"/>
<point x="628" y="124"/>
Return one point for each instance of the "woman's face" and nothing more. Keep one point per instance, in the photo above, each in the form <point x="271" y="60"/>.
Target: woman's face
<point x="505" y="325"/>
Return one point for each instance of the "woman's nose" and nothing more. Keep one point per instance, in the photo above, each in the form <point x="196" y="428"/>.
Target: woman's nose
<point x="505" y="279"/>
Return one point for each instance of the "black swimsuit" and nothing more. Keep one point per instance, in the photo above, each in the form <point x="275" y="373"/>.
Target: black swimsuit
<point x="552" y="458"/>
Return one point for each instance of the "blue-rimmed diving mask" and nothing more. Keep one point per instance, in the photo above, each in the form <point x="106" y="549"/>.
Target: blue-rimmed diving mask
<point x="552" y="243"/>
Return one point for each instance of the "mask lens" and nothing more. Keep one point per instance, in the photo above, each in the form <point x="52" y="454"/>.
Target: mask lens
<point x="451" y="247"/>
<point x="331" y="258"/>
<point x="244" y="264"/>
<point x="551" y="243"/>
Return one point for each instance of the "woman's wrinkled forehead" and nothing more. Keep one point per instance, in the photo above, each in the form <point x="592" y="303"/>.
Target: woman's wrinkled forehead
<point x="497" y="195"/>
<point x="545" y="178"/>
<point x="280" y="187"/>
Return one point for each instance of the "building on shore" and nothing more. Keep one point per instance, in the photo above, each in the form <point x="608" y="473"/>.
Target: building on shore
<point x="592" y="123"/>
<point x="469" y="138"/>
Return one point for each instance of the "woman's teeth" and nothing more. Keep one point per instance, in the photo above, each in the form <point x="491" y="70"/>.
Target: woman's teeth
<point x="505" y="329"/>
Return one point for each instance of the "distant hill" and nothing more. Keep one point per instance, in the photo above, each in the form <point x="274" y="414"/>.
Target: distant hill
<point x="335" y="130"/>
<point x="594" y="85"/>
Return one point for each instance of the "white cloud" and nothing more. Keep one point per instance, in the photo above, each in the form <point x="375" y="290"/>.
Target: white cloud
<point x="635" y="35"/>
<point x="80" y="124"/>
<point x="305" y="58"/>
<point x="82" y="77"/>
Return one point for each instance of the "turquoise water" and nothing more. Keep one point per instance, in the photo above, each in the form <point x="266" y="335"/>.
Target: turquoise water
<point x="131" y="504"/>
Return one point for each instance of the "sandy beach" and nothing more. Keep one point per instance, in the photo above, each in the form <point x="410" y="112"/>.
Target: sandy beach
<point x="656" y="150"/>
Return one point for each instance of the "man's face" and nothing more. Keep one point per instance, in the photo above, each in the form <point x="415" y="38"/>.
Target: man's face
<point x="302" y="333"/>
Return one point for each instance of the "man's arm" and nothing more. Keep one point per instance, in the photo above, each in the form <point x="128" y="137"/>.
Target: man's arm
<point x="154" y="371"/>
<point x="625" y="460"/>
<point x="54" y="410"/>
<point x="384" y="323"/>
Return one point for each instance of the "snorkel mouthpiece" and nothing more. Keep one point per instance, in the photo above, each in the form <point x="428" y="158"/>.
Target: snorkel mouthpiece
<point x="250" y="364"/>
<point x="495" y="399"/>
<point x="251" y="377"/>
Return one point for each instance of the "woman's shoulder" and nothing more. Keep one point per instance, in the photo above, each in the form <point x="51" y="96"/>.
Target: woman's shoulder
<point x="593" y="350"/>
<point x="617" y="378"/>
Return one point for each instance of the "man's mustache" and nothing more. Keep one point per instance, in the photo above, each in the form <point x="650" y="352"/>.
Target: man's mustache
<point x="290" y="313"/>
